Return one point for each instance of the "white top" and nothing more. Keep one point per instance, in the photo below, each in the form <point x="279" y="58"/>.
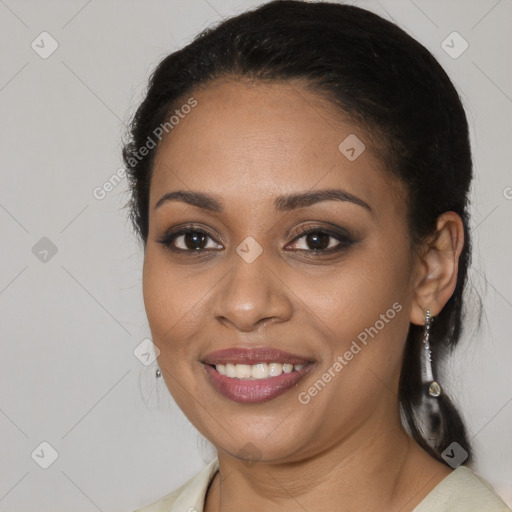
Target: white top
<point x="460" y="491"/>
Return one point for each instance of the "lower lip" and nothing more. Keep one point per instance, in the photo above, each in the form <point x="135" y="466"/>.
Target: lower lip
<point x="257" y="390"/>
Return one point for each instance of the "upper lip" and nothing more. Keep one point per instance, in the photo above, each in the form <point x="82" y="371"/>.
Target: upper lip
<point x="238" y="355"/>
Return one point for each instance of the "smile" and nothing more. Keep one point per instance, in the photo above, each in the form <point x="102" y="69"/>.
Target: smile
<point x="254" y="375"/>
<point x="256" y="371"/>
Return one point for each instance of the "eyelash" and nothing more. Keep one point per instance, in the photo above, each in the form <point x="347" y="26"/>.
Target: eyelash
<point x="343" y="237"/>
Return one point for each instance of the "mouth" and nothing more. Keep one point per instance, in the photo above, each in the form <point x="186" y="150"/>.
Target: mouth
<point x="254" y="375"/>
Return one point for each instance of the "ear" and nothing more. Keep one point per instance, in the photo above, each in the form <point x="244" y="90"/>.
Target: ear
<point x="438" y="265"/>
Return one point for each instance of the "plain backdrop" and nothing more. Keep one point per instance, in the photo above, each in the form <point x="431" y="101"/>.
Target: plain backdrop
<point x="71" y="306"/>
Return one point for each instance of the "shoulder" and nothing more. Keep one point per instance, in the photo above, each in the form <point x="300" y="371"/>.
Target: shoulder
<point x="190" y="496"/>
<point x="462" y="491"/>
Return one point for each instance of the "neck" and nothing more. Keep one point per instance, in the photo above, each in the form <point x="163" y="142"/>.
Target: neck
<point x="377" y="468"/>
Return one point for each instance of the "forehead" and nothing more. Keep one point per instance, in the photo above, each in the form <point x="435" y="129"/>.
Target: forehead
<point x="262" y="140"/>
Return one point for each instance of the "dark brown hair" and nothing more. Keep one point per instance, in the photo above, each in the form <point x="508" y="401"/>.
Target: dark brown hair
<point x="383" y="80"/>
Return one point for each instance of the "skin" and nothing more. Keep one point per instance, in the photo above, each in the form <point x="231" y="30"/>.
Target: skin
<point x="245" y="144"/>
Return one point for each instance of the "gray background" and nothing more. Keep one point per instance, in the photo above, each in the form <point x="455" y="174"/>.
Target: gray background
<point x="70" y="321"/>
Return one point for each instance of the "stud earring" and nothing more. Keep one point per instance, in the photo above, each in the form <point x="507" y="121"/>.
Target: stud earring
<point x="433" y="388"/>
<point x="158" y="373"/>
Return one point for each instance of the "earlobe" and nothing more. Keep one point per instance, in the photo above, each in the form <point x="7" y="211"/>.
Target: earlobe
<point x="439" y="264"/>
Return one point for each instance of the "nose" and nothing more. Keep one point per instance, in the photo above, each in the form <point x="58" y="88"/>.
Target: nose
<point x="252" y="296"/>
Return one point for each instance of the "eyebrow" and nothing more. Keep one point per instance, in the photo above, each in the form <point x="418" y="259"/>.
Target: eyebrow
<point x="281" y="203"/>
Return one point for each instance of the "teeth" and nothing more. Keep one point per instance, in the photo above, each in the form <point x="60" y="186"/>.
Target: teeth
<point x="260" y="371"/>
<point x="243" y="371"/>
<point x="230" y="370"/>
<point x="287" y="368"/>
<point x="275" y="369"/>
<point x="256" y="371"/>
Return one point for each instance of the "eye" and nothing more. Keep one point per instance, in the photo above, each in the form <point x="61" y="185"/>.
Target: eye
<point x="316" y="240"/>
<point x="189" y="239"/>
<point x="321" y="240"/>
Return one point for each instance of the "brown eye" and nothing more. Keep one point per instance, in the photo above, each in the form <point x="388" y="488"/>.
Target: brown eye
<point x="189" y="240"/>
<point x="321" y="240"/>
<point x="317" y="241"/>
<point x="194" y="240"/>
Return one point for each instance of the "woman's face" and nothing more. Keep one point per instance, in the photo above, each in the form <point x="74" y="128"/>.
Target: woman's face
<point x="336" y="300"/>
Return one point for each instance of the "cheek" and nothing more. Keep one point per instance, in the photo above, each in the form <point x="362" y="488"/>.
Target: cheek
<point x="157" y="289"/>
<point x="364" y="309"/>
<point x="365" y="286"/>
<point x="168" y="301"/>
<point x="170" y="308"/>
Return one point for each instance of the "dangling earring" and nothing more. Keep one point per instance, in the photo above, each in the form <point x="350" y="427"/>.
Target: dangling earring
<point x="158" y="373"/>
<point x="433" y="387"/>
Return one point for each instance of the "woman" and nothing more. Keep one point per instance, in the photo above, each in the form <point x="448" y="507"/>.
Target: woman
<point x="299" y="181"/>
